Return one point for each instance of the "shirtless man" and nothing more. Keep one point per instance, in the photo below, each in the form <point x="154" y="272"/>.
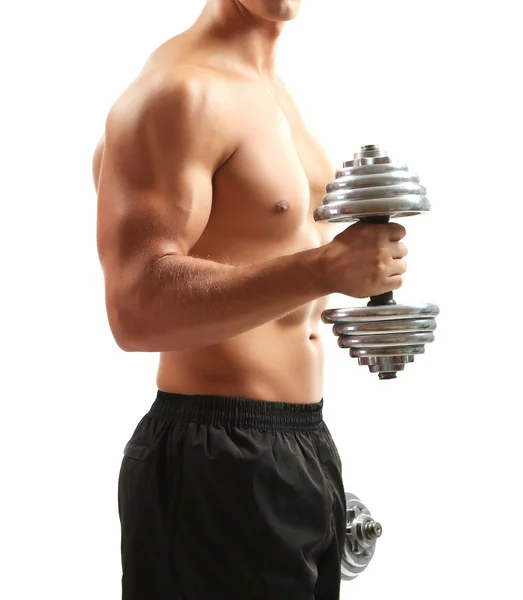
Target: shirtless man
<point x="230" y="486"/>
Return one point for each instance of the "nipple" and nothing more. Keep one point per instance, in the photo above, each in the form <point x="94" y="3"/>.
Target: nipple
<point x="281" y="206"/>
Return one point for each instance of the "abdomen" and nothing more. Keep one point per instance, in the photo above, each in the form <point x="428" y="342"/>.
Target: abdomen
<point x="275" y="362"/>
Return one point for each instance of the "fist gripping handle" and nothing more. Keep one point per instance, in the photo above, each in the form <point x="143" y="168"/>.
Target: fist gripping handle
<point x="387" y="297"/>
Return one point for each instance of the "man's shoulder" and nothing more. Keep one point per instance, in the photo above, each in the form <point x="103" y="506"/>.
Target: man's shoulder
<point x="184" y="92"/>
<point x="181" y="112"/>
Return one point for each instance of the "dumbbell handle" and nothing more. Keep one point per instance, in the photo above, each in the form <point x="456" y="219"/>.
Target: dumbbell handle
<point x="387" y="297"/>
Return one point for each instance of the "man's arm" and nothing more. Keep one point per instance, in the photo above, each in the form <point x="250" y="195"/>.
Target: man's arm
<point x="162" y="148"/>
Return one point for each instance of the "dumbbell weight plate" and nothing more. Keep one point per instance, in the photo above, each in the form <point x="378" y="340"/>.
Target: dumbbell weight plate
<point x="388" y="340"/>
<point x="371" y="169"/>
<point x="376" y="352"/>
<point x="343" y="211"/>
<point x="360" y="539"/>
<point x="379" y="313"/>
<point x="399" y="326"/>
<point x="374" y="179"/>
<point x="374" y="193"/>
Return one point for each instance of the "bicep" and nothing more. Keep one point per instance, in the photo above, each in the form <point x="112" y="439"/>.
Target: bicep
<point x="138" y="224"/>
<point x="155" y="186"/>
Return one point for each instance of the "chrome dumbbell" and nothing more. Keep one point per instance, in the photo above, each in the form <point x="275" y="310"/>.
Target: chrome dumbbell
<point x="360" y="538"/>
<point x="384" y="336"/>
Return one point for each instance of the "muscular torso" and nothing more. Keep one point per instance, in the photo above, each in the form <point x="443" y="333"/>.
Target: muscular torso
<point x="264" y="196"/>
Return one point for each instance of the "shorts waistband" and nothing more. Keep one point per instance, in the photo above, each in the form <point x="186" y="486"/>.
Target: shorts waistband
<point x="237" y="412"/>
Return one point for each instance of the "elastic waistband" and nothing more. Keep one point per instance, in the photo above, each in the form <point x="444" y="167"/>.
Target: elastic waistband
<point x="237" y="412"/>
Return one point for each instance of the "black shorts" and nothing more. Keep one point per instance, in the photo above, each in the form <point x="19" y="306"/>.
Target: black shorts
<point x="231" y="499"/>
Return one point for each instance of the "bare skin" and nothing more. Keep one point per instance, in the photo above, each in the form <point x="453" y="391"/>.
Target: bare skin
<point x="207" y="179"/>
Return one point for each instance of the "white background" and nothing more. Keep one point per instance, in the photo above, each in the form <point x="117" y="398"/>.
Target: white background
<point x="436" y="454"/>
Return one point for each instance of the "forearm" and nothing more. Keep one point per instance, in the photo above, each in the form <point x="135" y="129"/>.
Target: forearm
<point x="184" y="302"/>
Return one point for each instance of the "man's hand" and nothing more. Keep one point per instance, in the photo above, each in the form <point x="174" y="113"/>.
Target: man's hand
<point x="366" y="259"/>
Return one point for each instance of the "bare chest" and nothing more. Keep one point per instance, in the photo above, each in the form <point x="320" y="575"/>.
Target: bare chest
<point x="265" y="193"/>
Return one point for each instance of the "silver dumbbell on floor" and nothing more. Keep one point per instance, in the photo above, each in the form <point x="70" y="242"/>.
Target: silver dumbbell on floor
<point x="360" y="538"/>
<point x="384" y="336"/>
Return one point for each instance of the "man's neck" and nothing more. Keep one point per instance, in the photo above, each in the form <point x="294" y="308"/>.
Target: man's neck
<point x="253" y="39"/>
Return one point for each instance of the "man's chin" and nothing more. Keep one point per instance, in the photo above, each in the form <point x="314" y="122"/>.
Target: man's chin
<point x="286" y="13"/>
<point x="285" y="18"/>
